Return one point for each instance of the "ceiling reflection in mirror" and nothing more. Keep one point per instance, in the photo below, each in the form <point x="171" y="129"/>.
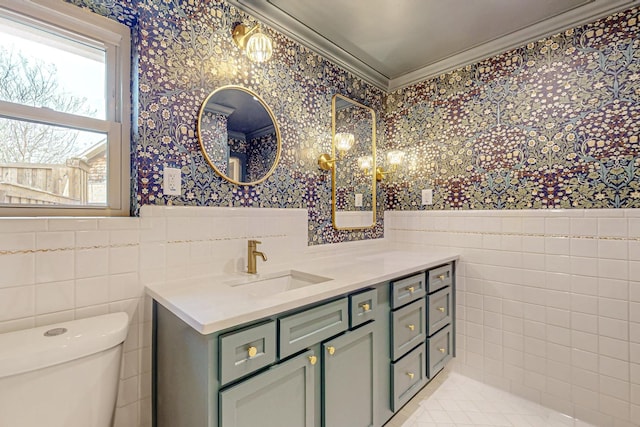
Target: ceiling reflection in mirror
<point x="353" y="176"/>
<point x="239" y="135"/>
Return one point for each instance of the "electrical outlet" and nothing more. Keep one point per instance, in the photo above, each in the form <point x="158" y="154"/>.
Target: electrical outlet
<point x="427" y="197"/>
<point x="358" y="202"/>
<point x="172" y="182"/>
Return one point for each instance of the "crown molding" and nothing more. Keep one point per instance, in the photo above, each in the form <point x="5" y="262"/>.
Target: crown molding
<point x="297" y="31"/>
<point x="582" y="15"/>
<point x="307" y="37"/>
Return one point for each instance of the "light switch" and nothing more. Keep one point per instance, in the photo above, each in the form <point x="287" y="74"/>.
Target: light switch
<point x="358" y="200"/>
<point x="172" y="182"/>
<point x="427" y="196"/>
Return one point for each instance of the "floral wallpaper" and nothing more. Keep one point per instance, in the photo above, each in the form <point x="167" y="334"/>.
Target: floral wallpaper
<point x="183" y="50"/>
<point x="261" y="152"/>
<point x="213" y="132"/>
<point x="554" y="124"/>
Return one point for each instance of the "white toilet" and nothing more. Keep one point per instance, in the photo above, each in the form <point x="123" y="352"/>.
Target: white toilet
<point x="63" y="375"/>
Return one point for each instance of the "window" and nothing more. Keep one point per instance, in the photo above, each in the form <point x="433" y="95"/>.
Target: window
<point x="64" y="111"/>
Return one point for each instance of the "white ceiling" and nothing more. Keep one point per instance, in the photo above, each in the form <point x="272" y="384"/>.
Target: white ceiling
<point x="394" y="43"/>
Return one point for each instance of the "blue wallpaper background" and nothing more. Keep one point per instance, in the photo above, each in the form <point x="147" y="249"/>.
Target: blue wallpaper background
<point x="554" y="124"/>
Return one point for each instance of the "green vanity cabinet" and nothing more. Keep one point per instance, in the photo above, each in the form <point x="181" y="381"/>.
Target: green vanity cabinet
<point x="281" y="396"/>
<point x="185" y="380"/>
<point x="350" y="361"/>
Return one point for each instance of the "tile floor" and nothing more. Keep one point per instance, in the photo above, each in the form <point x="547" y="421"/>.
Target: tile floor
<point x="453" y="400"/>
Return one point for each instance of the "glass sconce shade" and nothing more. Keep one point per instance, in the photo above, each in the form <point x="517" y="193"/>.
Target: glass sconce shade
<point x="365" y="162"/>
<point x="394" y="157"/>
<point x="259" y="47"/>
<point x="344" y="141"/>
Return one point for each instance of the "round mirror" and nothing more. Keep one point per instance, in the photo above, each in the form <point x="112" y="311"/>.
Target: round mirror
<point x="239" y="135"/>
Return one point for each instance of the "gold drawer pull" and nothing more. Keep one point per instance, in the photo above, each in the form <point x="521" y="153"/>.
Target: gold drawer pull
<point x="441" y="277"/>
<point x="411" y="289"/>
<point x="411" y="327"/>
<point x="252" y="351"/>
<point x="331" y="350"/>
<point x="366" y="307"/>
<point x="313" y="359"/>
<point x="441" y="309"/>
<point x="442" y="350"/>
<point x="411" y="375"/>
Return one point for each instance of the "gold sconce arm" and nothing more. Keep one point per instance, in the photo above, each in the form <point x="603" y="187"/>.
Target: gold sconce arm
<point x="342" y="141"/>
<point x="325" y="162"/>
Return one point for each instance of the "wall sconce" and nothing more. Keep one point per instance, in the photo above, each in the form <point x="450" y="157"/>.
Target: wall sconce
<point x="366" y="164"/>
<point x="343" y="141"/>
<point x="394" y="159"/>
<point x="257" y="46"/>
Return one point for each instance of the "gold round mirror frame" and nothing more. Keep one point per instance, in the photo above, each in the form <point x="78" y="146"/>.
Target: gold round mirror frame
<point x="275" y="125"/>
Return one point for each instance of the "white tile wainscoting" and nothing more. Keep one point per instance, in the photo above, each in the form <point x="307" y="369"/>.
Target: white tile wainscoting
<point x="58" y="269"/>
<point x="548" y="303"/>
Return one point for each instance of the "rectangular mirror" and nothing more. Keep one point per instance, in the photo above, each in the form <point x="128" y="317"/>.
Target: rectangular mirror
<point x="353" y="147"/>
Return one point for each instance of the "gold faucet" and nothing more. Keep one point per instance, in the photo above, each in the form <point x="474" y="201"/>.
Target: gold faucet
<point x="252" y="254"/>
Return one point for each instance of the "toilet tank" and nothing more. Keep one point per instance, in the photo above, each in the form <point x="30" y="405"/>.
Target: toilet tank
<point x="62" y="375"/>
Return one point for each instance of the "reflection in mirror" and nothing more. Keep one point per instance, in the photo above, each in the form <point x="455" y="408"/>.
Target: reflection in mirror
<point x="238" y="135"/>
<point x="353" y="180"/>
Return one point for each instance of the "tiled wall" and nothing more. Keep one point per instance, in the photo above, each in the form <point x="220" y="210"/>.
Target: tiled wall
<point x="548" y="303"/>
<point x="61" y="269"/>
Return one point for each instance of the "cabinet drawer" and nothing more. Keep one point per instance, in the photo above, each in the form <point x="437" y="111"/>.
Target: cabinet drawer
<point x="439" y="351"/>
<point x="440" y="277"/>
<point x="408" y="328"/>
<point x="301" y="330"/>
<point x="362" y="307"/>
<point x="439" y="304"/>
<point x="408" y="376"/>
<point x="407" y="290"/>
<point x="245" y="351"/>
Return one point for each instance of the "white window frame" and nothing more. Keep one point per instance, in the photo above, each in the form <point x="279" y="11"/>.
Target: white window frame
<point x="66" y="18"/>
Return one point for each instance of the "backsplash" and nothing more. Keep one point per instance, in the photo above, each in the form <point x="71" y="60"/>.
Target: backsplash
<point x="554" y="124"/>
<point x="184" y="51"/>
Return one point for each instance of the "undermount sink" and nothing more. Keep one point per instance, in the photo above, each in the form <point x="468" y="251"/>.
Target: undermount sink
<point x="273" y="283"/>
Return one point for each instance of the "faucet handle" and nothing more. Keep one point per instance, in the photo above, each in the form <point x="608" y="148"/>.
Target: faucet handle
<point x="257" y="242"/>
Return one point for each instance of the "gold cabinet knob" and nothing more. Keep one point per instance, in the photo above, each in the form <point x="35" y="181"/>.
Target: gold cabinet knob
<point x="331" y="350"/>
<point x="411" y="327"/>
<point x="366" y="307"/>
<point x="313" y="359"/>
<point x="252" y="351"/>
<point x="411" y="289"/>
<point x="441" y="277"/>
<point x="441" y="309"/>
<point x="442" y="350"/>
<point x="411" y="375"/>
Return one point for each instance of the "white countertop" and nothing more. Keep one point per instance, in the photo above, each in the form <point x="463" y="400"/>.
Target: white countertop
<point x="209" y="305"/>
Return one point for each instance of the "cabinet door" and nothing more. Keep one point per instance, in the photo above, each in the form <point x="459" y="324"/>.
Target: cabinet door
<point x="282" y="396"/>
<point x="349" y="379"/>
